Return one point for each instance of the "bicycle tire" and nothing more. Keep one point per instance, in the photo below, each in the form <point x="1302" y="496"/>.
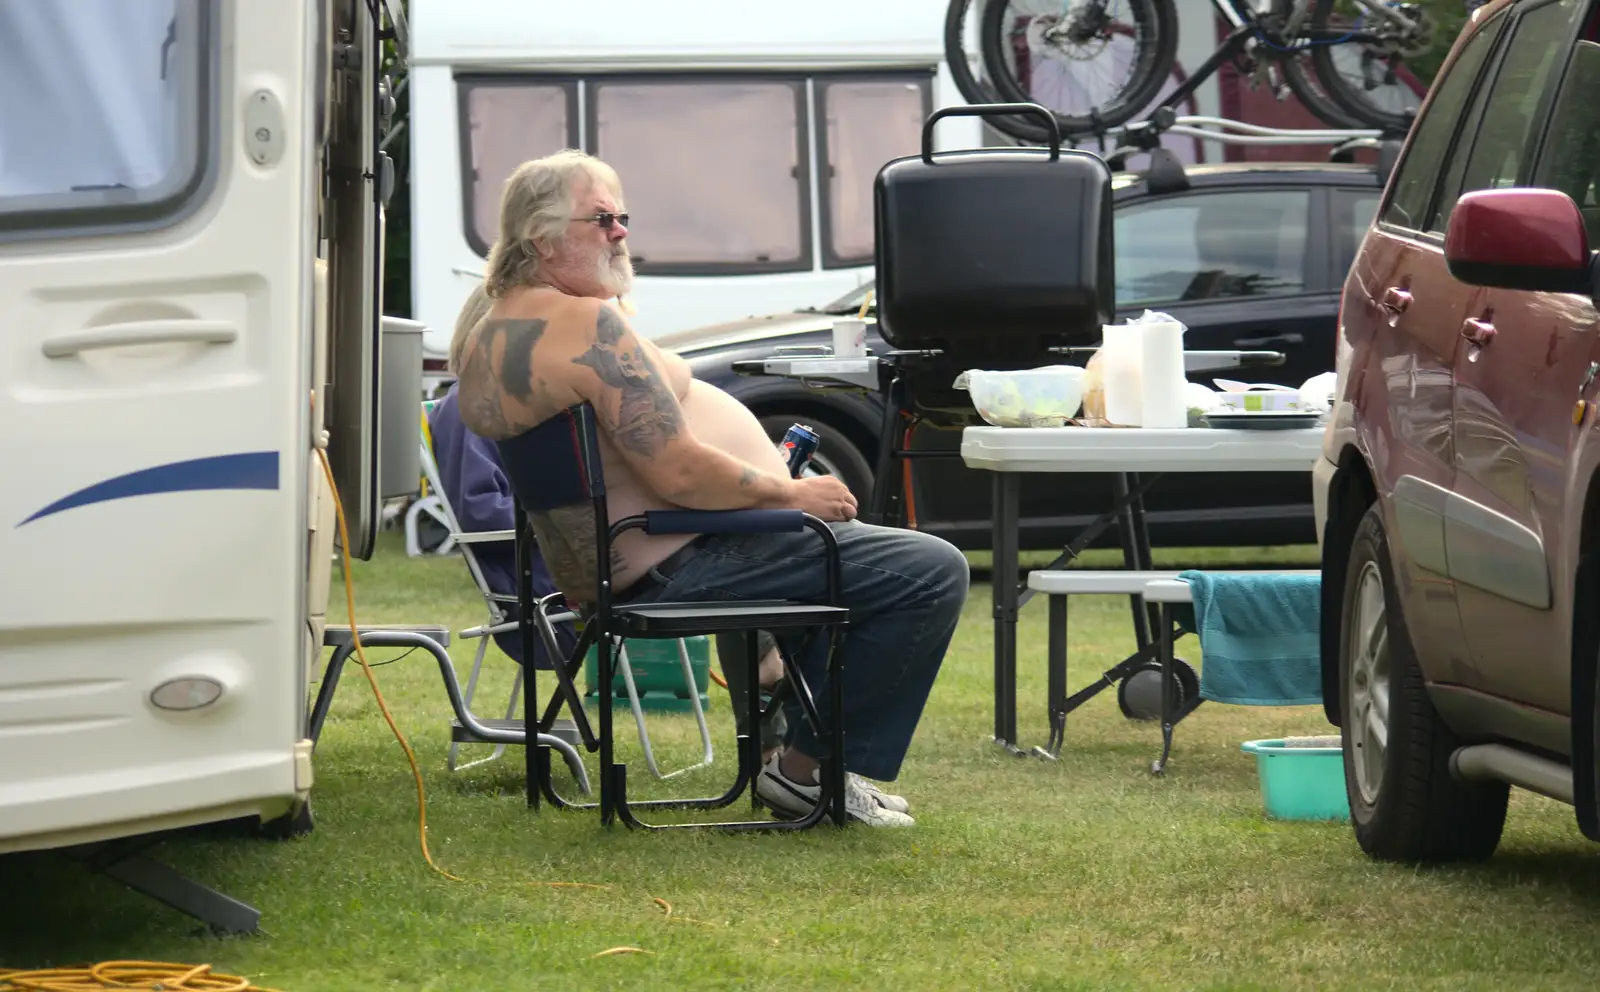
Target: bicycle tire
<point x="1307" y="87"/>
<point x="976" y="91"/>
<point x="1144" y="82"/>
<point x="1350" y="100"/>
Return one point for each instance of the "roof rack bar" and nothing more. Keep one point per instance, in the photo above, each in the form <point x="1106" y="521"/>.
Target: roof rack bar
<point x="1195" y="127"/>
<point x="1262" y="139"/>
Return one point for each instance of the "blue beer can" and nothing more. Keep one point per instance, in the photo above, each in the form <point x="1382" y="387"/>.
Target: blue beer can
<point x="799" y="444"/>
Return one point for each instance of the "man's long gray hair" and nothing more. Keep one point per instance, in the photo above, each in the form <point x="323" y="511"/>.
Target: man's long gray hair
<point x="472" y="311"/>
<point x="534" y="210"/>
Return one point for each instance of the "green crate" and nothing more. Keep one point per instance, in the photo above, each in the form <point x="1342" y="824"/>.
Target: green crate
<point x="657" y="674"/>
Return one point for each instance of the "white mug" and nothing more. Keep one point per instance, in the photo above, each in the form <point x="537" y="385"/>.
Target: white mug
<point x="849" y="338"/>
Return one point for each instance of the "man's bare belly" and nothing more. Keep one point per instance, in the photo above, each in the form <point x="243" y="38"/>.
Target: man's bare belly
<point x="717" y="420"/>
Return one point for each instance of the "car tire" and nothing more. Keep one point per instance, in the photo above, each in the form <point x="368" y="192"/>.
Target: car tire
<point x="1404" y="803"/>
<point x="836" y="453"/>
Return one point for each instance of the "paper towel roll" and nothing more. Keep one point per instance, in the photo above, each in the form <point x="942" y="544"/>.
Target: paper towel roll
<point x="1162" y="374"/>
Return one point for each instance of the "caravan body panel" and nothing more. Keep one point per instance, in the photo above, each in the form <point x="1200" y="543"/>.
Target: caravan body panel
<point x="155" y="386"/>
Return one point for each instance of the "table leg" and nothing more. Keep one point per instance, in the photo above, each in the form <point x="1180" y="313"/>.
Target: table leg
<point x="886" y="478"/>
<point x="1128" y="531"/>
<point x="1004" y="542"/>
<point x="1169" y="702"/>
<point x="1141" y="537"/>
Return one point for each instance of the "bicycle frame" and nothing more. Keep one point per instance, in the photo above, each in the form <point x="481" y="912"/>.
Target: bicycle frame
<point x="1247" y="27"/>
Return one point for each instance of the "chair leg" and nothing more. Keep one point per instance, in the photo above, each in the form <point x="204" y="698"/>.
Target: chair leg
<point x="835" y="764"/>
<point x="608" y="765"/>
<point x="831" y="803"/>
<point x="751" y="746"/>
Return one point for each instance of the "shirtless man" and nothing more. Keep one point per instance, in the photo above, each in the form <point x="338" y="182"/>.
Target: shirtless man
<point x="670" y="441"/>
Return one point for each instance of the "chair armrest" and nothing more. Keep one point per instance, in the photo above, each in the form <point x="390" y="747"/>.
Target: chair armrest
<point x="723" y="521"/>
<point x="485" y="536"/>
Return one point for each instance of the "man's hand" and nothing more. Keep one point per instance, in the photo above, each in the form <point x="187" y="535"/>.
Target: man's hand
<point x="824" y="497"/>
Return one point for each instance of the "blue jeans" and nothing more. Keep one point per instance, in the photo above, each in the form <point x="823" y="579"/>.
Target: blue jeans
<point x="904" y="590"/>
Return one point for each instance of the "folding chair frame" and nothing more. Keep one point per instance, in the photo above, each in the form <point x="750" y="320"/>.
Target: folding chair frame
<point x="563" y="453"/>
<point x="440" y="509"/>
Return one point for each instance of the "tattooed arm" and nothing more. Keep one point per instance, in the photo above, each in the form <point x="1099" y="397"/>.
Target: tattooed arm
<point x="639" y="410"/>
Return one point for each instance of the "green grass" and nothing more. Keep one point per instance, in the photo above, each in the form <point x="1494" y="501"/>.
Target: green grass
<point x="1084" y="873"/>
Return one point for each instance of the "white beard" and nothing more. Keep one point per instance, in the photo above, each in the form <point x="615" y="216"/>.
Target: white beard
<point x="615" y="272"/>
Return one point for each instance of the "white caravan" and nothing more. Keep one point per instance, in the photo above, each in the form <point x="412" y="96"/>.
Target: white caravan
<point x="189" y="207"/>
<point x="747" y="137"/>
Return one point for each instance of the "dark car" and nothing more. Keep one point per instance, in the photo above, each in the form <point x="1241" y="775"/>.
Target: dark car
<point x="1251" y="256"/>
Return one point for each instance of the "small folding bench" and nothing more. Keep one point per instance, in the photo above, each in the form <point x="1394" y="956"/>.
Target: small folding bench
<point x="1241" y="673"/>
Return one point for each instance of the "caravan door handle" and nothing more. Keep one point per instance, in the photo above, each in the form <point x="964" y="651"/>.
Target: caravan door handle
<point x="139" y="332"/>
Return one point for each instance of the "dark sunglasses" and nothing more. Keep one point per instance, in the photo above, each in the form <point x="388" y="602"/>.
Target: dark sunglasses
<point x="606" y="220"/>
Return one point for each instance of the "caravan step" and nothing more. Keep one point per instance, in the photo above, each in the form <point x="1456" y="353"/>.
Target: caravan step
<point x="338" y="635"/>
<point x="564" y="729"/>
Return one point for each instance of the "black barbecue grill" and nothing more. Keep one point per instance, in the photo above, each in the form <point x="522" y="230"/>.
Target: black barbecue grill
<point x="986" y="259"/>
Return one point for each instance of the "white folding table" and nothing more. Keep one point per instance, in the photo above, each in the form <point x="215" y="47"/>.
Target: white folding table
<point x="1136" y="456"/>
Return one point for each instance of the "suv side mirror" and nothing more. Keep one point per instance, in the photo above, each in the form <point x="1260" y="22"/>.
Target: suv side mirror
<point x="1521" y="238"/>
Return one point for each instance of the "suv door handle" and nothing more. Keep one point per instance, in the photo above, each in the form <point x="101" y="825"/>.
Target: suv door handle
<point x="1479" y="332"/>
<point x="1395" y="300"/>
<point x="1288" y="340"/>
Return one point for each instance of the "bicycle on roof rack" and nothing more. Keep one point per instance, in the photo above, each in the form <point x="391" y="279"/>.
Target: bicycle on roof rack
<point x="1096" y="64"/>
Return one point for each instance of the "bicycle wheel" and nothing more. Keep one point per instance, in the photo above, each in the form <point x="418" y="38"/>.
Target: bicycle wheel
<point x="1304" y="83"/>
<point x="974" y="90"/>
<point x="1366" y="78"/>
<point x="1090" y="62"/>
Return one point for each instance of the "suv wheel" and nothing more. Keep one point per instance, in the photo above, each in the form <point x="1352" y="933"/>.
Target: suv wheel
<point x="1404" y="803"/>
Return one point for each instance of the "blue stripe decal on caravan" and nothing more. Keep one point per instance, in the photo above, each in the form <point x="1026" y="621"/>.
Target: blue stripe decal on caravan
<point x="247" y="470"/>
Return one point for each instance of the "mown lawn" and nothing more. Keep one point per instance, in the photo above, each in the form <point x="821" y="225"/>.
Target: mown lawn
<point x="1021" y="874"/>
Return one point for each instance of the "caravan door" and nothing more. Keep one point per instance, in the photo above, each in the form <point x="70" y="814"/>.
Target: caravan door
<point x="157" y="232"/>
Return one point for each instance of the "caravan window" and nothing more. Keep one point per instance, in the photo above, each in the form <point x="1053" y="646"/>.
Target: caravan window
<point x="105" y="112"/>
<point x="712" y="171"/>
<point x="717" y="170"/>
<point x="503" y="124"/>
<point x="865" y="123"/>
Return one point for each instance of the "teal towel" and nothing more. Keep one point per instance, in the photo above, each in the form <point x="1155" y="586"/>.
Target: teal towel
<point x="1260" y="635"/>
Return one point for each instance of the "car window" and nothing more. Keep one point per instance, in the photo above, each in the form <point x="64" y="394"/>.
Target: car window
<point x="1211" y="245"/>
<point x="1570" y="161"/>
<point x="1502" y="149"/>
<point x="1353" y="211"/>
<point x="1417" y="174"/>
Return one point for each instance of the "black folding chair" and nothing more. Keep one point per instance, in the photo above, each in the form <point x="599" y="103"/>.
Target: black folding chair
<point x="555" y="469"/>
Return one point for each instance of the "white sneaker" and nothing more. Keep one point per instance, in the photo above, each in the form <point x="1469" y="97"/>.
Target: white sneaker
<point x="886" y="800"/>
<point x="789" y="798"/>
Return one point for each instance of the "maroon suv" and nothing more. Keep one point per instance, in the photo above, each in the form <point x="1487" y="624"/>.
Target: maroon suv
<point x="1458" y="495"/>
